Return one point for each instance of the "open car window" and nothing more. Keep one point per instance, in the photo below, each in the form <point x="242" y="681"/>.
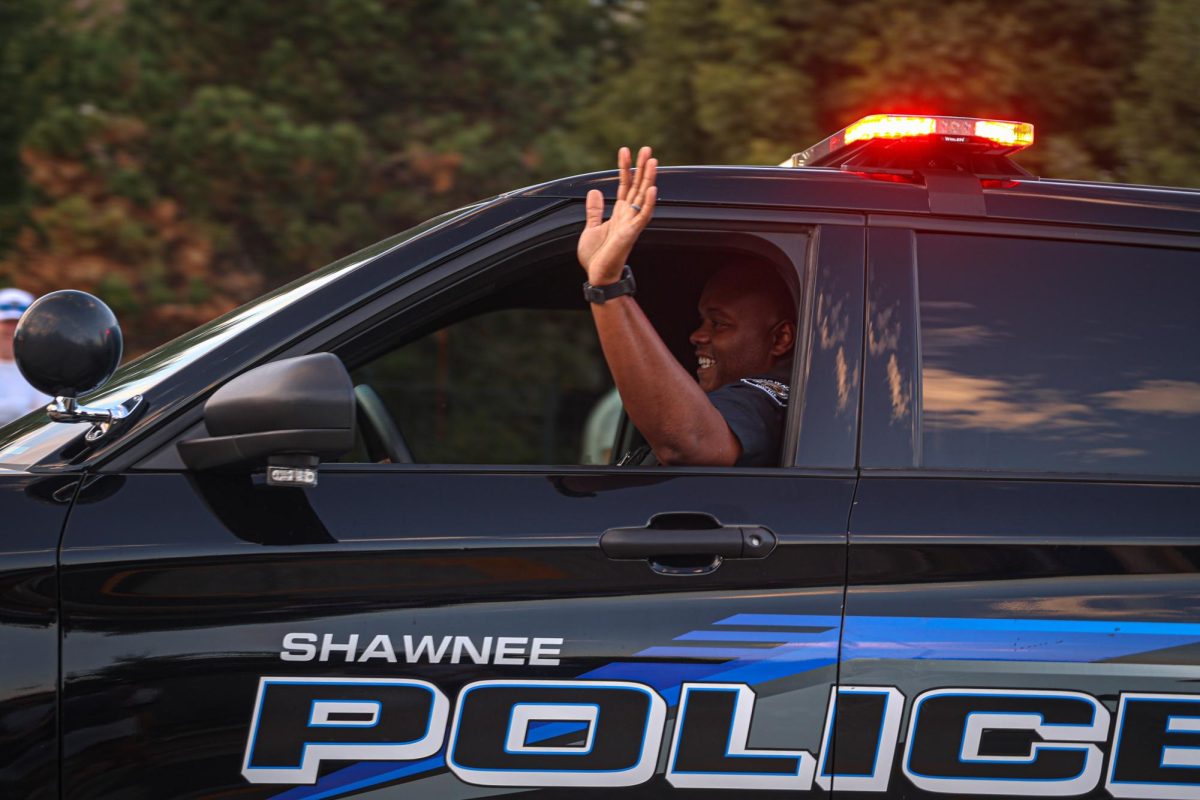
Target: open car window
<point x="510" y="370"/>
<point x="510" y="386"/>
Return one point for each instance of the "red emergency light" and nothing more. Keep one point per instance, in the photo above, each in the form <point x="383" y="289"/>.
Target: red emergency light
<point x="983" y="137"/>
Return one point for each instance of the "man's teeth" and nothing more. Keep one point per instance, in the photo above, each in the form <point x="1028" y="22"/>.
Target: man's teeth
<point x="706" y="362"/>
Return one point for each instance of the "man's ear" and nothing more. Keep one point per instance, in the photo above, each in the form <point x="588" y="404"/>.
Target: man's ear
<point x="783" y="338"/>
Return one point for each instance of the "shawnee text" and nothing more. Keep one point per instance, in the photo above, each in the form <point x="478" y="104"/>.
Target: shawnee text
<point x="421" y="649"/>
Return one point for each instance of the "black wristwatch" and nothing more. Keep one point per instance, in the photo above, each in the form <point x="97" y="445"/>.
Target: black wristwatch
<point x="602" y="294"/>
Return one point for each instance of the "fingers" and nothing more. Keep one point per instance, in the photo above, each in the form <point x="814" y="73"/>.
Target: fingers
<point x="631" y="188"/>
<point x="623" y="159"/>
<point x="642" y="219"/>
<point x="646" y="175"/>
<point x="594" y="209"/>
<point x="639" y="177"/>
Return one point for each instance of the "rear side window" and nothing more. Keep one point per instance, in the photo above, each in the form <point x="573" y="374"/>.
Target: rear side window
<point x="1058" y="356"/>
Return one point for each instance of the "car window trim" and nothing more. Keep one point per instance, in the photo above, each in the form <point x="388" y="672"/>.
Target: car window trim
<point x="585" y="469"/>
<point x="1033" y="230"/>
<point x="1030" y="475"/>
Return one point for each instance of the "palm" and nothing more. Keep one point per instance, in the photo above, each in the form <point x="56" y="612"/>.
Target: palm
<point x="591" y="240"/>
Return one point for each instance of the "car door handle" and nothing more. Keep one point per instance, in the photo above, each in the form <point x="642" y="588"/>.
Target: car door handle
<point x="679" y="535"/>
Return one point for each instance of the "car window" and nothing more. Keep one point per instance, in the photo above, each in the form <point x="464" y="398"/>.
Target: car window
<point x="29" y="439"/>
<point x="512" y="386"/>
<point x="507" y="369"/>
<point x="1058" y="356"/>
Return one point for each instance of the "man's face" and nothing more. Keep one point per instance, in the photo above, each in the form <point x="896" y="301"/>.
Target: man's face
<point x="7" y="328"/>
<point x="739" y="334"/>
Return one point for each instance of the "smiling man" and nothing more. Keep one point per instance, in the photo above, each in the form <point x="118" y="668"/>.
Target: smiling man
<point x="732" y="412"/>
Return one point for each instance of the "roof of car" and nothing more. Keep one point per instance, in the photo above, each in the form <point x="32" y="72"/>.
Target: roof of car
<point x="1029" y="200"/>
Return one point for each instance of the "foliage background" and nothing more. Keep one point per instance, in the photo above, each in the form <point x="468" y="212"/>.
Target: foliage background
<point x="179" y="158"/>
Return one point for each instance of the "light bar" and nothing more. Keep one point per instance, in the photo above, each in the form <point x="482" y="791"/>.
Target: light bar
<point x="1016" y="134"/>
<point x="888" y="126"/>
<point x="997" y="137"/>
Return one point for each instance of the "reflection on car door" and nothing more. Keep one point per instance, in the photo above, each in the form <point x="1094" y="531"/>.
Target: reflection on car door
<point x="1039" y="628"/>
<point x="33" y="509"/>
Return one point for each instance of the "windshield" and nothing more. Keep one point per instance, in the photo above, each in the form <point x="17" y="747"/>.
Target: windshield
<point x="31" y="438"/>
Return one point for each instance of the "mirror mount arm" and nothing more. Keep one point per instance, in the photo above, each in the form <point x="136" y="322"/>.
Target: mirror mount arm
<point x="68" y="409"/>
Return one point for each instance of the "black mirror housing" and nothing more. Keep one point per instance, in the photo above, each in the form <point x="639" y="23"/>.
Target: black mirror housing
<point x="302" y="407"/>
<point x="67" y="344"/>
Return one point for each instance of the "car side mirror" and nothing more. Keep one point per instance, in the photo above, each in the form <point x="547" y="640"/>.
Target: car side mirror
<point x="289" y="413"/>
<point x="67" y="344"/>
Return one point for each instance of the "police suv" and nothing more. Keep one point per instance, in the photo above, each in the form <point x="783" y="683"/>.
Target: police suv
<point x="367" y="536"/>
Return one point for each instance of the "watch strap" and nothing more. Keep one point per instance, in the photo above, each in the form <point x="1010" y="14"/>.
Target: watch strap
<point x="602" y="294"/>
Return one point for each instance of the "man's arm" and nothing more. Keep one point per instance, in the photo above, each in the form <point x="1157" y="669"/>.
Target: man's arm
<point x="663" y="400"/>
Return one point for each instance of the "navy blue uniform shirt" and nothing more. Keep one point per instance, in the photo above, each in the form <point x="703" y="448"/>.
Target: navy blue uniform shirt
<point x="755" y="409"/>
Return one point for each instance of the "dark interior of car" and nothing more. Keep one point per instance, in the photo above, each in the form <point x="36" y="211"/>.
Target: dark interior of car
<point x="670" y="267"/>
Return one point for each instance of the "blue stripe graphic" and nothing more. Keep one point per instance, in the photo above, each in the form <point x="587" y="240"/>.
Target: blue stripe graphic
<point x="782" y="637"/>
<point x="662" y="676"/>
<point x="362" y="776"/>
<point x="956" y="638"/>
<point x="1067" y="625"/>
<point x="788" y="620"/>
<point x="541" y="731"/>
<point x="724" y="653"/>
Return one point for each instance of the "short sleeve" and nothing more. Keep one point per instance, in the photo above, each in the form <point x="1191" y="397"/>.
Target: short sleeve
<point x="754" y="410"/>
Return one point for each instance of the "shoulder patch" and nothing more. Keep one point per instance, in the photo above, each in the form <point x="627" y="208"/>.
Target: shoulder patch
<point x="774" y="389"/>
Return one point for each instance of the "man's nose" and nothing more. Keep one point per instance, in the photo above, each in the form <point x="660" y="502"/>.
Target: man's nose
<point x="700" y="335"/>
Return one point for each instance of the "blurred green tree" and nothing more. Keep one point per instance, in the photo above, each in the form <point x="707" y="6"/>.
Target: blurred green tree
<point x="25" y="39"/>
<point x="751" y="81"/>
<point x="709" y="82"/>
<point x="1160" y="116"/>
<point x="180" y="157"/>
<point x="183" y="156"/>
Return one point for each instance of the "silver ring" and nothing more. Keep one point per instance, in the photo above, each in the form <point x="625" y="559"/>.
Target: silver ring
<point x="636" y="208"/>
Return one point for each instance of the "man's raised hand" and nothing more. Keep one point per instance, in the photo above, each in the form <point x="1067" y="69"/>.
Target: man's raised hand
<point x="604" y="246"/>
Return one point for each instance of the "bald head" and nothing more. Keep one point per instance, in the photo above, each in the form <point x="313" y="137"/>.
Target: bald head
<point x="760" y="284"/>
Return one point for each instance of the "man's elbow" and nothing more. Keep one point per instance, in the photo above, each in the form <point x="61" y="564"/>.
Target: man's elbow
<point x="695" y="455"/>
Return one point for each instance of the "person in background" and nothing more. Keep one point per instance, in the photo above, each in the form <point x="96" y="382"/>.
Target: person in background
<point x="17" y="398"/>
<point x="600" y="429"/>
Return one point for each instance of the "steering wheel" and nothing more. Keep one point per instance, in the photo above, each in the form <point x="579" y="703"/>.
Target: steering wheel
<point x="380" y="434"/>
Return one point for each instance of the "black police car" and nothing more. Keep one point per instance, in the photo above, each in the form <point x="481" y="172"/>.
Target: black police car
<point x="345" y="541"/>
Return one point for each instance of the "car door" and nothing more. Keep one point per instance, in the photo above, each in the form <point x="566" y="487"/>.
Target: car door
<point x="1023" y="607"/>
<point x="469" y="629"/>
<point x="33" y="509"/>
